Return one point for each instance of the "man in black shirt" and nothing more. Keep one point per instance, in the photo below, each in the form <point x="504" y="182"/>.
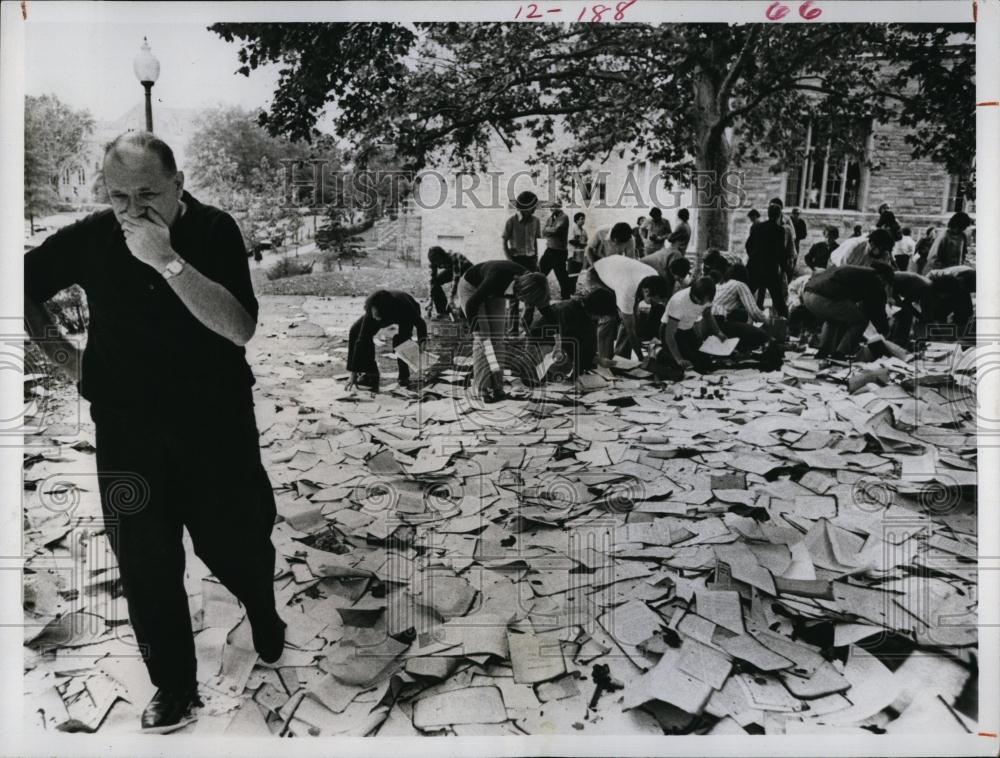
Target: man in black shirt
<point x="571" y="326"/>
<point x="171" y="307"/>
<point x="766" y="260"/>
<point x="382" y="308"/>
<point x="445" y="267"/>
<point x="847" y="299"/>
<point x="482" y="295"/>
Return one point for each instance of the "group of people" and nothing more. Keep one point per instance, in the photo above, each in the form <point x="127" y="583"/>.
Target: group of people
<point x="621" y="288"/>
<point x="840" y="288"/>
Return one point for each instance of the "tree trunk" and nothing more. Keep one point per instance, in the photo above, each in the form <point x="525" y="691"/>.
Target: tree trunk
<point x="711" y="166"/>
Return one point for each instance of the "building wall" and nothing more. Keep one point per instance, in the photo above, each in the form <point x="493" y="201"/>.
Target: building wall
<point x="467" y="213"/>
<point x="916" y="190"/>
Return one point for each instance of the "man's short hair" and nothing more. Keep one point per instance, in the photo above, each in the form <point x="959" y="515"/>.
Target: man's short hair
<point x="144" y="141"/>
<point x="884" y="270"/>
<point x="620" y="232"/>
<point x="832" y="231"/>
<point x="737" y="272"/>
<point x="960" y="221"/>
<point x="714" y="259"/>
<point x="656" y="285"/>
<point x="773" y="212"/>
<point x="679" y="267"/>
<point x="532" y="289"/>
<point x="795" y="211"/>
<point x="655" y="213"/>
<point x="377" y="300"/>
<point x="906" y="231"/>
<point x="703" y="288"/>
<point x="577" y="216"/>
<point x="881" y="239"/>
<point x="639" y="220"/>
<point x="437" y="256"/>
<point x="754" y="214"/>
<point x="683" y="214"/>
<point x="776" y="201"/>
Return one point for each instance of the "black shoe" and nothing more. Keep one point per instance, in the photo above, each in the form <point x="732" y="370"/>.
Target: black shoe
<point x="368" y="382"/>
<point x="491" y="396"/>
<point x="269" y="638"/>
<point x="170" y="710"/>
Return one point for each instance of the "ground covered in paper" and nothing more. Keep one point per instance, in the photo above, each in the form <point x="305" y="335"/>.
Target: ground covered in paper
<point x="743" y="552"/>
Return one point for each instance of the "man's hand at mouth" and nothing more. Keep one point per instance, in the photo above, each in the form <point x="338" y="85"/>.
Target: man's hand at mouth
<point x="148" y="239"/>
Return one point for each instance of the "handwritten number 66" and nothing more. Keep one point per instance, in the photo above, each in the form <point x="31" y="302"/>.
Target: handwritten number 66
<point x="777" y="11"/>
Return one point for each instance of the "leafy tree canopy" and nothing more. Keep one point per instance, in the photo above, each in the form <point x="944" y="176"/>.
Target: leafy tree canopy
<point x="692" y="97"/>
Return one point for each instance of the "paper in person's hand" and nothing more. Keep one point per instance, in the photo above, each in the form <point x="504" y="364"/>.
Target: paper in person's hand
<point x="418" y="360"/>
<point x="714" y="346"/>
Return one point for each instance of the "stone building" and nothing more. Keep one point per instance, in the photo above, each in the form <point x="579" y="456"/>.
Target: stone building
<point x="466" y="212"/>
<point x="848" y="191"/>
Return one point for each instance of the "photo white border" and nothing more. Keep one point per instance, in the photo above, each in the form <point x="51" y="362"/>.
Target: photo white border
<point x="14" y="742"/>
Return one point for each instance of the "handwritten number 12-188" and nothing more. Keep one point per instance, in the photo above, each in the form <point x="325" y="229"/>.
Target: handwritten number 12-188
<point x="597" y="12"/>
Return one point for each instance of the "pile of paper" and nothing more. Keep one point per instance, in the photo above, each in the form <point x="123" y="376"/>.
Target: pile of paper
<point x="745" y="552"/>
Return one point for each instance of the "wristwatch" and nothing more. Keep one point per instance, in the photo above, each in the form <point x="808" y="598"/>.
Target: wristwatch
<point x="173" y="268"/>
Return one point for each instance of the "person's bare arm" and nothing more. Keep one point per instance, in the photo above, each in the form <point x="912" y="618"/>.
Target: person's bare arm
<point x="207" y="300"/>
<point x="628" y="324"/>
<point x="667" y="332"/>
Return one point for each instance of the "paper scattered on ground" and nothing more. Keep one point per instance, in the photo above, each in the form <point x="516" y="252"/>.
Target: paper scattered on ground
<point x="774" y="561"/>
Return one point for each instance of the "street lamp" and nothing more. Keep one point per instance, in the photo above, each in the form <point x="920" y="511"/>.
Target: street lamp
<point x="147" y="71"/>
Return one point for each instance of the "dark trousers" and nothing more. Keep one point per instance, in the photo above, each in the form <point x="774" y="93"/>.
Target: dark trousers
<point x="530" y="262"/>
<point x="157" y="476"/>
<point x="555" y="261"/>
<point x="772" y="282"/>
<point x="361" y="347"/>
<point x="738" y="325"/>
<point x="438" y="297"/>
<point x="689" y="345"/>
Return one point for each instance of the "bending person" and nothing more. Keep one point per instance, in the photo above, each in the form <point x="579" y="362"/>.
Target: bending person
<point x="482" y="297"/>
<point x="679" y="334"/>
<point x="445" y="267"/>
<point x="736" y="311"/>
<point x="382" y="308"/>
<point x="847" y="299"/>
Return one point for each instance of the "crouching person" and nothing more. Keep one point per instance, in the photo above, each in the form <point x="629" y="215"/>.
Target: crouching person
<point x="631" y="281"/>
<point x="570" y="327"/>
<point x="847" y="299"/>
<point x="445" y="268"/>
<point x="382" y="308"/>
<point x="686" y="322"/>
<point x="735" y="310"/>
<point x="482" y="296"/>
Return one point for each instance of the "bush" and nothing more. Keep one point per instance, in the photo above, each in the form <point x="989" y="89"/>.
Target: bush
<point x="286" y="267"/>
<point x="69" y="310"/>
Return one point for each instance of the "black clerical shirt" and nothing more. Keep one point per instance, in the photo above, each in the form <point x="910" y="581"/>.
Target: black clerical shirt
<point x="145" y="349"/>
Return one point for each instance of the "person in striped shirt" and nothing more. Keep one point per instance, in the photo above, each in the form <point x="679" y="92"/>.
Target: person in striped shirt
<point x="736" y="311"/>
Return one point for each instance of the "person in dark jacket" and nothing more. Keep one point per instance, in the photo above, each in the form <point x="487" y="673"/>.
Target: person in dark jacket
<point x="556" y="233"/>
<point x="847" y="299"/>
<point x="482" y="295"/>
<point x="571" y="327"/>
<point x="819" y="254"/>
<point x="445" y="267"/>
<point x="799" y="225"/>
<point x="952" y="247"/>
<point x="766" y="251"/>
<point x="382" y="308"/>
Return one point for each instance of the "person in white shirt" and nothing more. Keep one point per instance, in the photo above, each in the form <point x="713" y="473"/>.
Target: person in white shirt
<point x="863" y="251"/>
<point x="610" y="240"/>
<point x="631" y="281"/>
<point x="678" y="335"/>
<point x="903" y="249"/>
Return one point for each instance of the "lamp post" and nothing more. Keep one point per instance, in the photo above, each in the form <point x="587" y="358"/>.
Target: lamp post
<point x="147" y="71"/>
